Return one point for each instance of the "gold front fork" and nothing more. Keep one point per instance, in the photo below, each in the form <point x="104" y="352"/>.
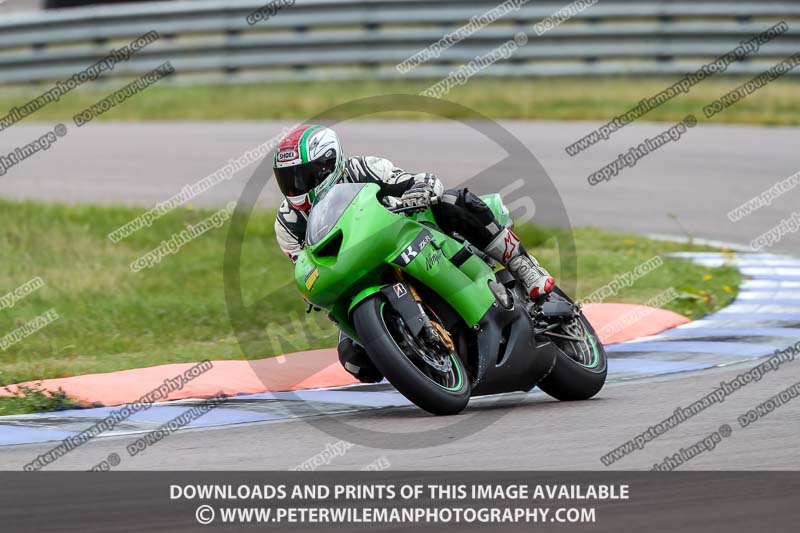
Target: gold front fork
<point x="442" y="333"/>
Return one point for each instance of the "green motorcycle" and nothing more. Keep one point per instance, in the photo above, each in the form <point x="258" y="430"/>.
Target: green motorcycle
<point x="433" y="313"/>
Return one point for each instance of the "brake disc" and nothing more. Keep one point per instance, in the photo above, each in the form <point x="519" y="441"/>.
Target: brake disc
<point x="444" y="366"/>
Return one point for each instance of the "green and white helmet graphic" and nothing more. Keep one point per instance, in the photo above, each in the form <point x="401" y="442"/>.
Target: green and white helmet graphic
<point x="308" y="161"/>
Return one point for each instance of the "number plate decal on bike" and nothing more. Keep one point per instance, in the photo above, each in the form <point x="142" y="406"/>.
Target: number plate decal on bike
<point x="412" y="250"/>
<point x="311" y="278"/>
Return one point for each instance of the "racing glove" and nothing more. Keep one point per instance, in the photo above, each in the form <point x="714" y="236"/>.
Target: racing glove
<point x="419" y="195"/>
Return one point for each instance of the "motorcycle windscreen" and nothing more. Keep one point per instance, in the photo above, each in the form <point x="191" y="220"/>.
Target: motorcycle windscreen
<point x="328" y="210"/>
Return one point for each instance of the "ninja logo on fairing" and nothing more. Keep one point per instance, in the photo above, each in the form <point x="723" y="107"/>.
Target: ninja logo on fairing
<point x="434" y="259"/>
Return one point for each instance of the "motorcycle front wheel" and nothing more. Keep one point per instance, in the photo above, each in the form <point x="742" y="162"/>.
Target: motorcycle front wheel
<point x="438" y="385"/>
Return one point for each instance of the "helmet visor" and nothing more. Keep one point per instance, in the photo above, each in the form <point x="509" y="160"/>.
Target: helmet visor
<point x="301" y="179"/>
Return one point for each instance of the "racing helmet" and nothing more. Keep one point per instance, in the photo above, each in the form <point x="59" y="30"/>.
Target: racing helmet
<point x="308" y="161"/>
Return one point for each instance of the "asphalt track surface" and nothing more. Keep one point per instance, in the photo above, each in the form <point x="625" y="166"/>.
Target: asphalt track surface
<point x="538" y="433"/>
<point x="699" y="179"/>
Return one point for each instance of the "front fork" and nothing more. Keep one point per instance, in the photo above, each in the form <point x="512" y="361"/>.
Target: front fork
<point x="432" y="332"/>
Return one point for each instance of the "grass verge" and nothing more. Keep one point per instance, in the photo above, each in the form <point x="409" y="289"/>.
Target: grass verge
<point x="547" y="98"/>
<point x="35" y="400"/>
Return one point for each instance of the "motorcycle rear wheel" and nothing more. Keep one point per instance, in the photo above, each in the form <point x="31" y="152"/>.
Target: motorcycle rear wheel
<point x="581" y="367"/>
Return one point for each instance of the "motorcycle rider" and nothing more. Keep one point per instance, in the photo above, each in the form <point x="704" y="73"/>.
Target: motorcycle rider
<point x="309" y="160"/>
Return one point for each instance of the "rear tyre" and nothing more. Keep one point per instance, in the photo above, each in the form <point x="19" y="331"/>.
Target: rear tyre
<point x="399" y="357"/>
<point x="581" y="366"/>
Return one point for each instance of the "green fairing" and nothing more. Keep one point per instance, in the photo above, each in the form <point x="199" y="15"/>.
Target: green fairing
<point x="495" y="203"/>
<point x="372" y="238"/>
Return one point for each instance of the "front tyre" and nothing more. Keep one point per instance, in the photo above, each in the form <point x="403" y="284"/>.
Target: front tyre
<point x="440" y="389"/>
